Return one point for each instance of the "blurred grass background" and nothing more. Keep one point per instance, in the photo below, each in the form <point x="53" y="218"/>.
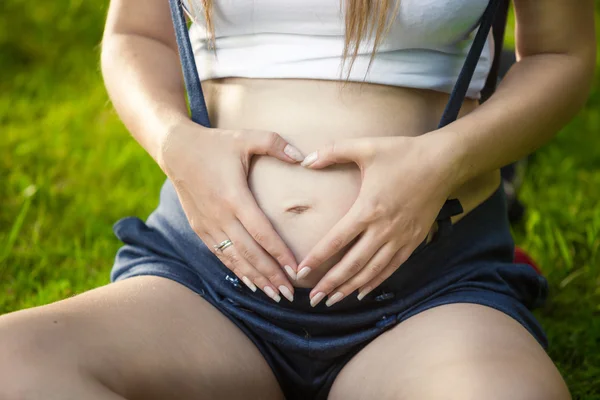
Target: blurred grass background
<point x="69" y="170"/>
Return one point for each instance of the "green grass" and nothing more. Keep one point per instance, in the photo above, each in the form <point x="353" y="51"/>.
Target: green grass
<point x="69" y="170"/>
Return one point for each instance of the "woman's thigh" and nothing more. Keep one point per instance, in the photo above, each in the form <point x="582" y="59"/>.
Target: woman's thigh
<point x="141" y="338"/>
<point x="456" y="351"/>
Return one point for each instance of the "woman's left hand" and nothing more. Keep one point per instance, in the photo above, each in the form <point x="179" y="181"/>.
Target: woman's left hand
<point x="405" y="182"/>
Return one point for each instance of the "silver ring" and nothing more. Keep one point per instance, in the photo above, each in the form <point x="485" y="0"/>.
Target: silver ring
<point x="223" y="245"/>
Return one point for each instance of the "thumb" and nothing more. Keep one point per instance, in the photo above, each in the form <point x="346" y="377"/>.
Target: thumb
<point x="272" y="144"/>
<point x="341" y="152"/>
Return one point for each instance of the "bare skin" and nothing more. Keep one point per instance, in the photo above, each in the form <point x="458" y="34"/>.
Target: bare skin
<point x="452" y="352"/>
<point x="302" y="204"/>
<point x="147" y="337"/>
<point x="141" y="338"/>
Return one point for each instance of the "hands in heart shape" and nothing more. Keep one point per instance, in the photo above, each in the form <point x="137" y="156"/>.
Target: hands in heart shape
<point x="404" y="183"/>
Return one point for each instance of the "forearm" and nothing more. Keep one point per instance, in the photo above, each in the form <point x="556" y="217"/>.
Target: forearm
<point x="539" y="95"/>
<point x="143" y="79"/>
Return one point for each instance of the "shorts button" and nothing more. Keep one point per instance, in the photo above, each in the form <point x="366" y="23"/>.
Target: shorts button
<point x="386" y="322"/>
<point x="235" y="282"/>
<point x="385" y="296"/>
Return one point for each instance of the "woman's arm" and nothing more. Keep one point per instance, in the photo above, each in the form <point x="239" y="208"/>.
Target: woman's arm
<point x="141" y="71"/>
<point x="208" y="167"/>
<point x="556" y="52"/>
<point x="406" y="180"/>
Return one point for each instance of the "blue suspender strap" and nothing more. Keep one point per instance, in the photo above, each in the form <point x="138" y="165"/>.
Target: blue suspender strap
<point x="198" y="109"/>
<point x="199" y="112"/>
<point x="453" y="207"/>
<point x="464" y="78"/>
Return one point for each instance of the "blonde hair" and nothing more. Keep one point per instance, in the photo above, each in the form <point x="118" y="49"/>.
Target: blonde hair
<point x="363" y="19"/>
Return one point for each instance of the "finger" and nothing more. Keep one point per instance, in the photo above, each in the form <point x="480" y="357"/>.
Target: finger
<point x="350" y="265"/>
<point x="259" y="227"/>
<point x="340" y="152"/>
<point x="272" y="144"/>
<point x="375" y="266"/>
<point x="208" y="240"/>
<point x="366" y="286"/>
<point x="237" y="264"/>
<point x="342" y="233"/>
<point x="266" y="272"/>
<point x="240" y="267"/>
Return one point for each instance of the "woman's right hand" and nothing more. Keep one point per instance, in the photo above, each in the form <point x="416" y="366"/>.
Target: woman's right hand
<point x="209" y="169"/>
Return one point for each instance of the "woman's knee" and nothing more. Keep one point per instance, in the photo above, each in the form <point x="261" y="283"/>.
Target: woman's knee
<point x="35" y="353"/>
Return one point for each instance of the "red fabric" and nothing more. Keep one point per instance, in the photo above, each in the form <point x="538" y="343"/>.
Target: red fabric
<point x="523" y="258"/>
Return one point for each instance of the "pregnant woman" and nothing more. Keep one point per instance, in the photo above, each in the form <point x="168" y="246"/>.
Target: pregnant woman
<point x="325" y="236"/>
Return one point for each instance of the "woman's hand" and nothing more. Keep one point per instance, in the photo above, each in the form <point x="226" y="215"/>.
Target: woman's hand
<point x="405" y="182"/>
<point x="209" y="169"/>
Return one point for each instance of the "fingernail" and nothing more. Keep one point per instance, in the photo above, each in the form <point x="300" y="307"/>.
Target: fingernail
<point x="334" y="299"/>
<point x="286" y="293"/>
<point x="249" y="283"/>
<point x="303" y="272"/>
<point x="291" y="273"/>
<point x="317" y="299"/>
<point x="311" y="158"/>
<point x="271" y="293"/>
<point x="293" y="152"/>
<point x="364" y="292"/>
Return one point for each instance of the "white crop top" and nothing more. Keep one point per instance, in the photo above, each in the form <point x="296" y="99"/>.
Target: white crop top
<point x="425" y="47"/>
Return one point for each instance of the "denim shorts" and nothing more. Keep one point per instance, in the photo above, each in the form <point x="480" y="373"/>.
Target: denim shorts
<point x="307" y="347"/>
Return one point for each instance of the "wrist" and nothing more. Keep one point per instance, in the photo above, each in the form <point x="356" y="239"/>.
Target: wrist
<point x="174" y="135"/>
<point x="449" y="151"/>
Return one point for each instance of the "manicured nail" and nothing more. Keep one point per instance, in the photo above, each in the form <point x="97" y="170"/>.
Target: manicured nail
<point x="303" y="272"/>
<point x="293" y="152"/>
<point x="249" y="283"/>
<point x="311" y="158"/>
<point x="334" y="299"/>
<point x="291" y="273"/>
<point x="364" y="292"/>
<point x="286" y="293"/>
<point x="271" y="293"/>
<point x="316" y="299"/>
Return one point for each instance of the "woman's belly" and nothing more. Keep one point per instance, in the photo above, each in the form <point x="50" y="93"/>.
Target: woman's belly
<point x="302" y="204"/>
